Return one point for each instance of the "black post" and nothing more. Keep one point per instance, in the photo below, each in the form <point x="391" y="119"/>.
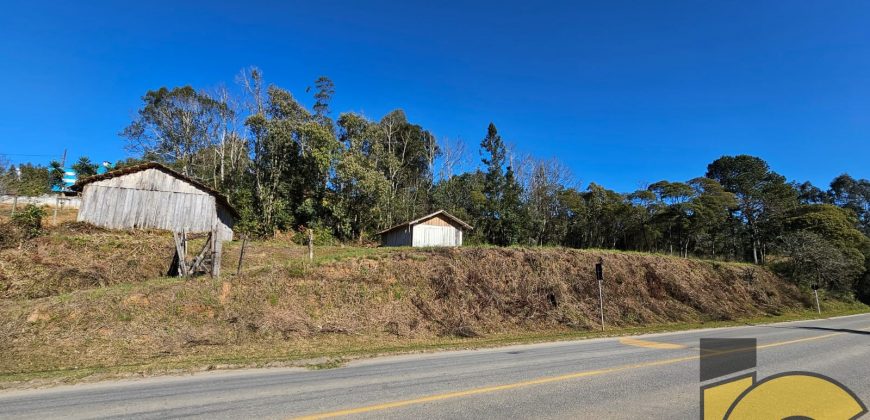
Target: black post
<point x="599" y="275"/>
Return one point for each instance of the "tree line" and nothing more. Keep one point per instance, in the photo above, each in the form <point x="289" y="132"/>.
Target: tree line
<point x="28" y="179"/>
<point x="285" y="165"/>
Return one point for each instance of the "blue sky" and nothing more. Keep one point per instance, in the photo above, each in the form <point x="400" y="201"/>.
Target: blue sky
<point x="625" y="93"/>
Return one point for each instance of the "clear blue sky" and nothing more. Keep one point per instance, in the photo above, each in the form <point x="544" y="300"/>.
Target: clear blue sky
<point x="625" y="93"/>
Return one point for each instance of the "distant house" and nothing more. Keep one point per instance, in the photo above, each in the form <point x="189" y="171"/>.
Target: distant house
<point x="153" y="196"/>
<point x="436" y="229"/>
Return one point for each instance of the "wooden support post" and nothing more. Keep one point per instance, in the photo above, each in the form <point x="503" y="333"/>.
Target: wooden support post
<point x="180" y="253"/>
<point x="184" y="246"/>
<point x="216" y="256"/>
<point x="206" y="250"/>
<point x="14" y="203"/>
<point x="56" y="205"/>
<point x="180" y="271"/>
<point x="242" y="254"/>
<point x="182" y="256"/>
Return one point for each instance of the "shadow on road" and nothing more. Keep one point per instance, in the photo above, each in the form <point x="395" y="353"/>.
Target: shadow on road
<point x="842" y="330"/>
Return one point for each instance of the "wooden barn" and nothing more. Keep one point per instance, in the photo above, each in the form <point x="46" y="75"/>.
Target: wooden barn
<point x="436" y="229"/>
<point x="153" y="196"/>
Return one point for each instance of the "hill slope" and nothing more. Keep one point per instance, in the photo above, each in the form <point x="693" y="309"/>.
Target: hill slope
<point x="353" y="300"/>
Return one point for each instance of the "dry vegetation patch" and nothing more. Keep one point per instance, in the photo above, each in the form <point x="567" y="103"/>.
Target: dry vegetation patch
<point x="349" y="301"/>
<point x="75" y="256"/>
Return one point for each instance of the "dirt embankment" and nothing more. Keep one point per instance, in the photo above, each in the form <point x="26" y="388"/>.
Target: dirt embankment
<point x="91" y="312"/>
<point x="481" y="291"/>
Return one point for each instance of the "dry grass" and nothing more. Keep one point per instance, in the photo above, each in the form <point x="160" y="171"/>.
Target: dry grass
<point x="76" y="256"/>
<point x="349" y="301"/>
<point x="64" y="215"/>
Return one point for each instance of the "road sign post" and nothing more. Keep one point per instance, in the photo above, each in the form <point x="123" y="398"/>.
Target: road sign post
<point x="599" y="275"/>
<point x="816" y="294"/>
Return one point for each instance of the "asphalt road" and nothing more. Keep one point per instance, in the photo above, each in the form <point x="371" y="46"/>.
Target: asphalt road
<point x="653" y="376"/>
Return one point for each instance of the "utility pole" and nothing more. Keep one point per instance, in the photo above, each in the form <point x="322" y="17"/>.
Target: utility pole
<point x="63" y="160"/>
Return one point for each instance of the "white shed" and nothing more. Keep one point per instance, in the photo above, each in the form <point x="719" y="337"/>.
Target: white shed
<point x="436" y="229"/>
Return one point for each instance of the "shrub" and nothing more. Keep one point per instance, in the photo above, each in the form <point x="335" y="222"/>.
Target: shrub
<point x="811" y="259"/>
<point x="28" y="221"/>
<point x="322" y="236"/>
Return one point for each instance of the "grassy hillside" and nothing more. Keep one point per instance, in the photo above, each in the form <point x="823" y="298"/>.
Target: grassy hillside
<point x="81" y="301"/>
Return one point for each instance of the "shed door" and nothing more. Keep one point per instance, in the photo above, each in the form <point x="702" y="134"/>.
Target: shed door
<point x="427" y="235"/>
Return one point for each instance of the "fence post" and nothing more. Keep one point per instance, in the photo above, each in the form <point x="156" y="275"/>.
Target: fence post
<point x="217" y="244"/>
<point x="310" y="244"/>
<point x="816" y="294"/>
<point x="56" y="204"/>
<point x="242" y="254"/>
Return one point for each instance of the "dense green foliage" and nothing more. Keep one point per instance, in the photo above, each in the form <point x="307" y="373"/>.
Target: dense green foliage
<point x="85" y="168"/>
<point x="28" y="179"/>
<point x="32" y="180"/>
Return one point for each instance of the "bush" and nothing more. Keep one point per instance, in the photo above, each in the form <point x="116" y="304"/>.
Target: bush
<point x="811" y="259"/>
<point x="322" y="236"/>
<point x="862" y="288"/>
<point x="28" y="221"/>
<point x="8" y="236"/>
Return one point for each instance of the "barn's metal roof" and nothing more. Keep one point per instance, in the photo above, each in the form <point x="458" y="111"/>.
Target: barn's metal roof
<point x="220" y="198"/>
<point x="427" y="217"/>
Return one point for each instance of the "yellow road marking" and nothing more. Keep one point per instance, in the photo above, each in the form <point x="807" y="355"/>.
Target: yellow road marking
<point x="539" y="381"/>
<point x="799" y="340"/>
<point x="650" y="344"/>
<point x="485" y="390"/>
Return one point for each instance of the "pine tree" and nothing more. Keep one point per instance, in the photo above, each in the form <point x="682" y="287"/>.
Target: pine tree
<point x="512" y="210"/>
<point x="503" y="206"/>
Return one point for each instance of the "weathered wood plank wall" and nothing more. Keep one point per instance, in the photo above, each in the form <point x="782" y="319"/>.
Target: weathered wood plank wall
<point x="440" y="221"/>
<point x="397" y="237"/>
<point x="431" y="235"/>
<point x="153" y="199"/>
